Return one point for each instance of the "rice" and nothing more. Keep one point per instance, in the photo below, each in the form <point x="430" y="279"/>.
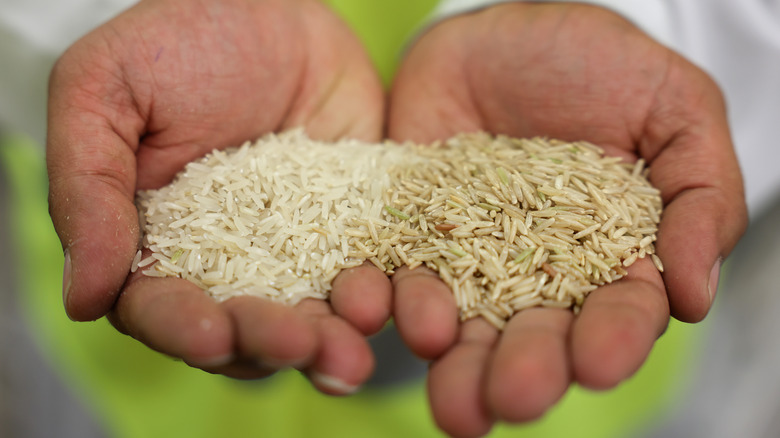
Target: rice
<point x="507" y="223"/>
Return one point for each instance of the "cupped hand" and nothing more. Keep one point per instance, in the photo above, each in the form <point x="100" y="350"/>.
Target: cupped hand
<point x="164" y="83"/>
<point x="572" y="72"/>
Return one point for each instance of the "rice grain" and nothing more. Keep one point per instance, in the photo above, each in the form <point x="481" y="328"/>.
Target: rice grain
<point x="506" y="223"/>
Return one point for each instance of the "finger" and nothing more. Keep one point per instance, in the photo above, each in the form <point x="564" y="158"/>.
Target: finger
<point x="617" y="327"/>
<point x="425" y="312"/>
<point x="343" y="361"/>
<point x="455" y="382"/>
<point x="271" y="335"/>
<point x="241" y="369"/>
<point x="363" y="296"/>
<point x="177" y="318"/>
<point x="530" y="370"/>
<point x="692" y="162"/>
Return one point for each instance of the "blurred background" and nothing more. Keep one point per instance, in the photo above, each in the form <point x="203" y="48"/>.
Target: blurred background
<point x="64" y="379"/>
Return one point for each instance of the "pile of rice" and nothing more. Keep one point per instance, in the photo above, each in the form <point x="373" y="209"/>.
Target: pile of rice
<point x="507" y="223"/>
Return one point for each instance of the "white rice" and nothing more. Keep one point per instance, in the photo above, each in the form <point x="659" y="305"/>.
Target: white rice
<point x="508" y="224"/>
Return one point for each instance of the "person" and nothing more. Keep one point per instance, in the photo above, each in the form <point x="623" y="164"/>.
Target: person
<point x="568" y="71"/>
<point x="595" y="77"/>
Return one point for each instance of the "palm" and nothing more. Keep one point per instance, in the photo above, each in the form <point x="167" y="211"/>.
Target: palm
<point x="185" y="78"/>
<point x="163" y="84"/>
<point x="576" y="73"/>
<point x="205" y="80"/>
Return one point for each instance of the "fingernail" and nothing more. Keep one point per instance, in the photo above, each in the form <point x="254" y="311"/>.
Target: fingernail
<point x="712" y="286"/>
<point x="332" y="385"/>
<point x="66" y="271"/>
<point x="212" y="362"/>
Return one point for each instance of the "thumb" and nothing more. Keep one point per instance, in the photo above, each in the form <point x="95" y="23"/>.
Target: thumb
<point x="696" y="169"/>
<point x="91" y="166"/>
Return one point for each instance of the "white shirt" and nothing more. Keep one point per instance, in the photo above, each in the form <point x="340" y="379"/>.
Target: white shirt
<point x="33" y="34"/>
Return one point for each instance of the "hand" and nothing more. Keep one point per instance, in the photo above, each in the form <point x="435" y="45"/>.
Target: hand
<point x="573" y="72"/>
<point x="163" y="84"/>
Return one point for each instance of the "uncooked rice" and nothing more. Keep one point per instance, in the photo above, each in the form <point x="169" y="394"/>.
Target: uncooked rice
<point x="507" y="223"/>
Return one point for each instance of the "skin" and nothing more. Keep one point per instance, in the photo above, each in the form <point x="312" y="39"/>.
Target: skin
<point x="573" y="72"/>
<point x="162" y="84"/>
<point x="168" y="80"/>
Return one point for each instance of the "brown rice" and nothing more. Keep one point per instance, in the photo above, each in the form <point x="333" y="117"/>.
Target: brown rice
<point x="507" y="223"/>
